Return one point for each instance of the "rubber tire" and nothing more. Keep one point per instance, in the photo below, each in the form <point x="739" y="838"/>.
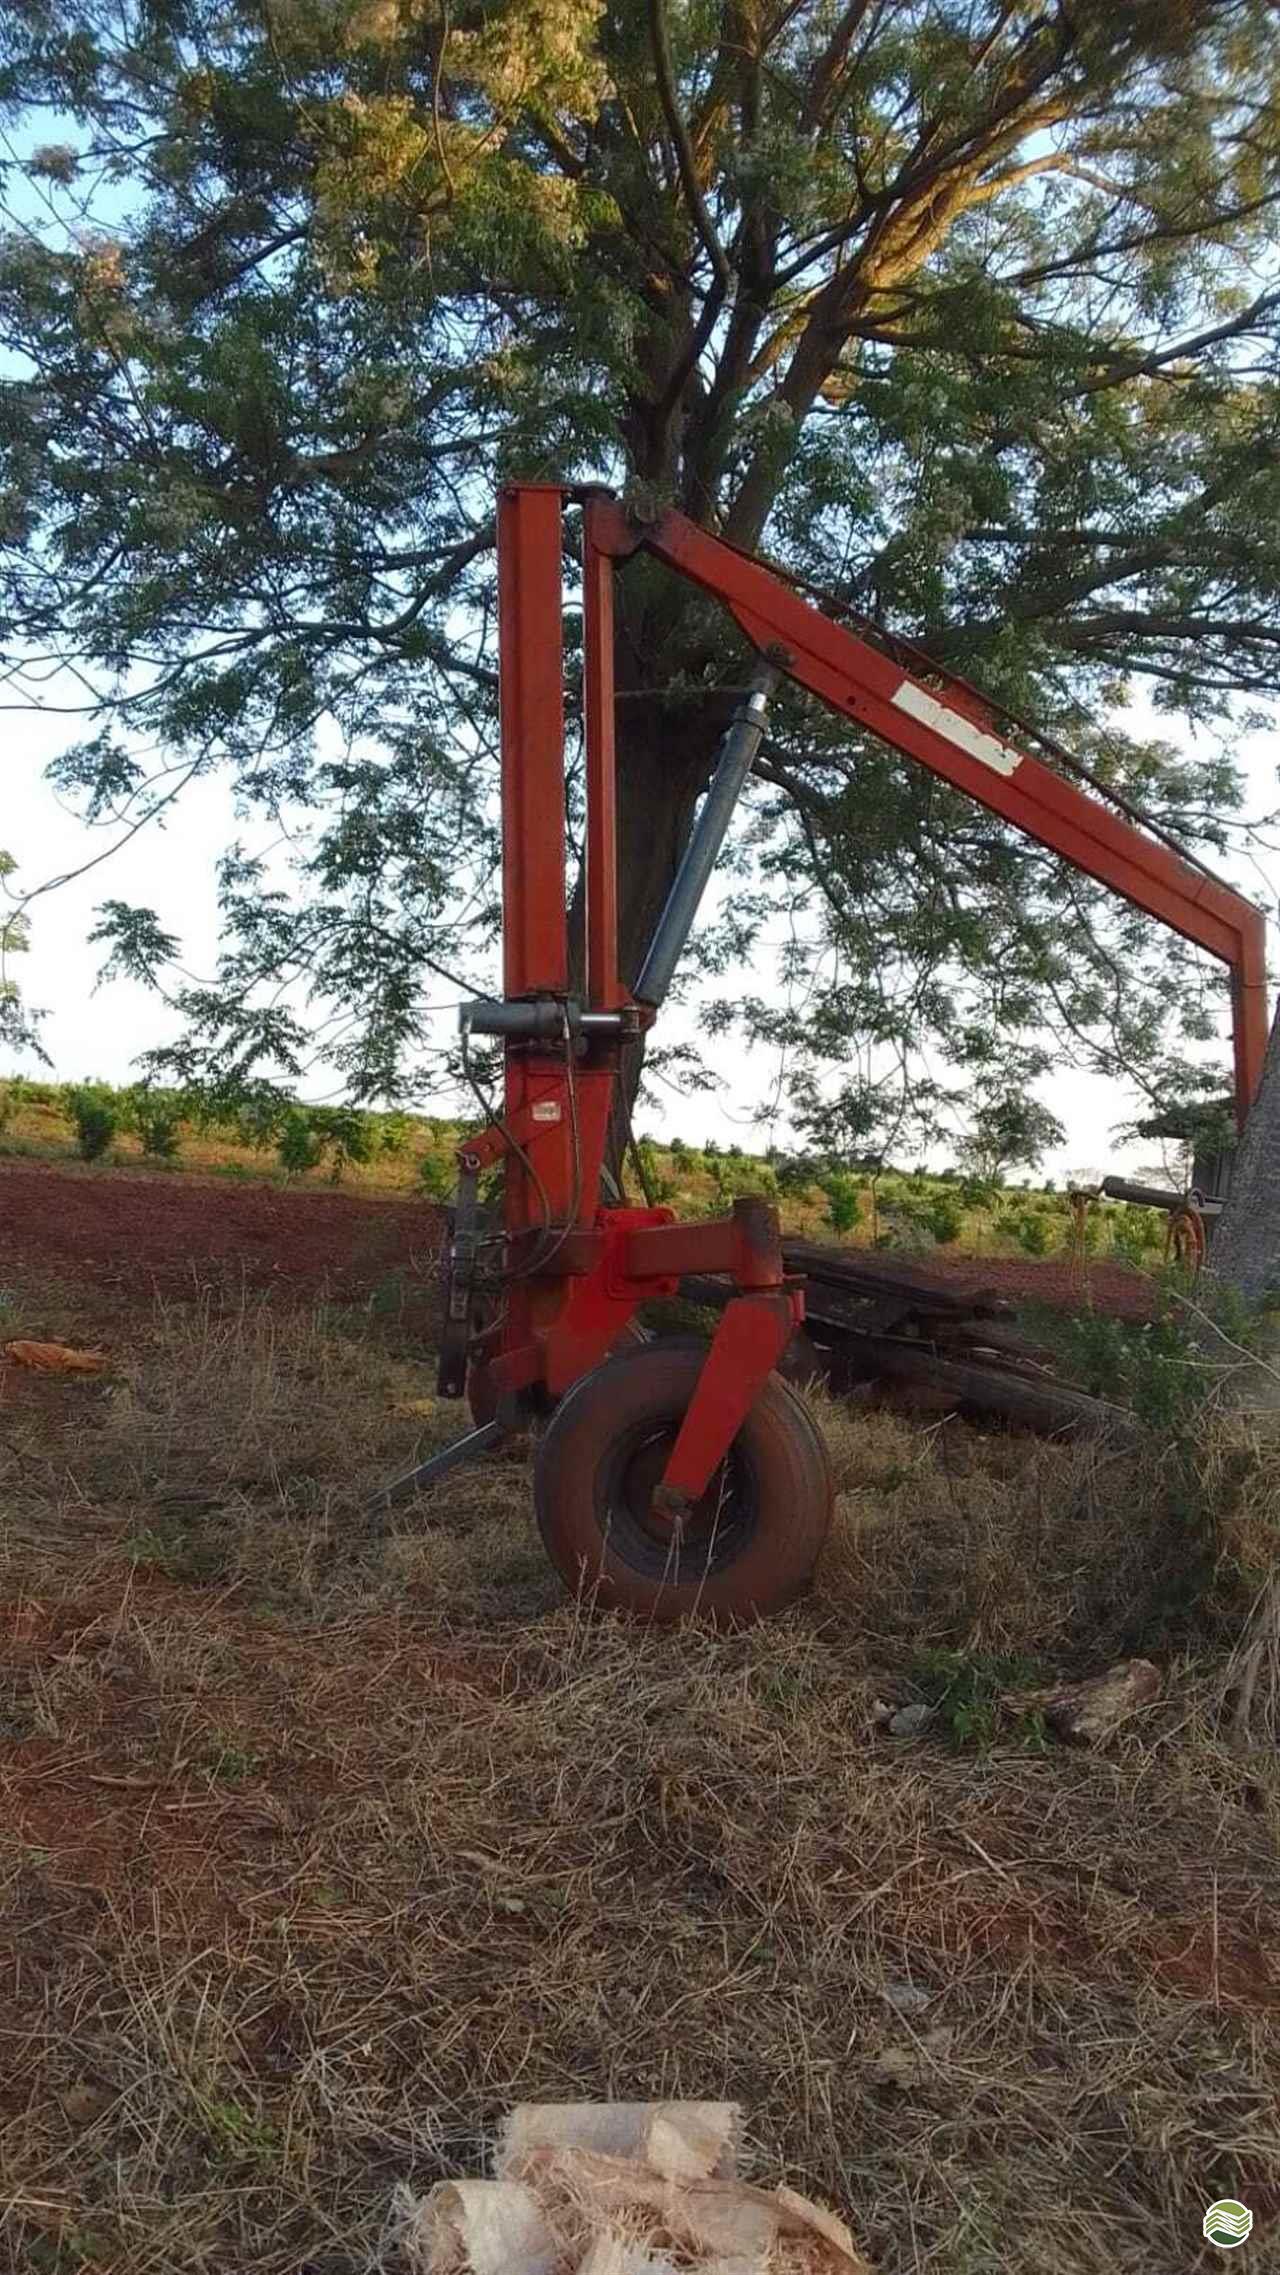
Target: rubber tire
<point x="782" y="1462"/>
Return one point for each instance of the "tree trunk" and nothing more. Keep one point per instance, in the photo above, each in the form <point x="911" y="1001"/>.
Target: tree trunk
<point x="1246" y="1244"/>
<point x="663" y="768"/>
<point x="665" y="752"/>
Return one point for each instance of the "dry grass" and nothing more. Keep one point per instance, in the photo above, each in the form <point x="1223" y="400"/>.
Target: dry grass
<point x="323" y="1840"/>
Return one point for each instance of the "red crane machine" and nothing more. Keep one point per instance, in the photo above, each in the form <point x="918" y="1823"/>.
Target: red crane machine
<point x="672" y="1477"/>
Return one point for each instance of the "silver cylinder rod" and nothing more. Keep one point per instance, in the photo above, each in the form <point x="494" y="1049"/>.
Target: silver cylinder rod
<point x="737" y="757"/>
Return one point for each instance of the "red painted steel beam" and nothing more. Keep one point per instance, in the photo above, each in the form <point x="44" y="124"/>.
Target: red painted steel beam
<point x="1251" y="1021"/>
<point x="747" y="1244"/>
<point x="945" y="728"/>
<point x="535" y="934"/>
<point x="753" y="1333"/>
<point x="535" y="930"/>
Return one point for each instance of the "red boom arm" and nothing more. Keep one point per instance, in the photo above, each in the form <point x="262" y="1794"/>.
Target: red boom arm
<point x="946" y="727"/>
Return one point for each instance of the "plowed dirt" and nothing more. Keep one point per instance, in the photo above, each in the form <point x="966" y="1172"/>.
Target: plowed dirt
<point x="136" y="1233"/>
<point x="175" y="1234"/>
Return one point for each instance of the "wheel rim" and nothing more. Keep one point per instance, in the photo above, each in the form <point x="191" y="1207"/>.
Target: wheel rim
<point x="716" y="1530"/>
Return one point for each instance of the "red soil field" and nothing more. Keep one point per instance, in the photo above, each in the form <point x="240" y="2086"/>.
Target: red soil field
<point x="174" y="1234"/>
<point x="1055" y="1281"/>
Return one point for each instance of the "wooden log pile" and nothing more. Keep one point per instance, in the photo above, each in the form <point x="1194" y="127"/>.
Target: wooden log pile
<point x="878" y="1325"/>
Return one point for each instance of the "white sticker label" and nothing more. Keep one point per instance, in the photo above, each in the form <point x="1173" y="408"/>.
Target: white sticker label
<point x="971" y="739"/>
<point x="545" y="1110"/>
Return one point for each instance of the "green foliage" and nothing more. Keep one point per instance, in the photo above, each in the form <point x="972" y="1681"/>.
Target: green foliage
<point x="1032" y="1233"/>
<point x="1202" y="1121"/>
<point x="1158" y="1367"/>
<point x="1137" y="1235"/>
<point x="393" y="1133"/>
<point x="844" y="1199"/>
<point x="14" y="1095"/>
<point x="255" y="1123"/>
<point x="979" y="1193"/>
<point x="17" y="1025"/>
<point x="344" y="270"/>
<point x="966" y="1689"/>
<point x="733" y="1176"/>
<point x="438" y="1175"/>
<point x="298" y="1144"/>
<point x="237" y="2135"/>
<point x="156" y="1115"/>
<point x="1008" y="1130"/>
<point x="659" y="1185"/>
<point x="797" y="1174"/>
<point x="95" y="1119"/>
<point x="307" y="1136"/>
<point x="344" y="1135"/>
<point x="943" y="1214"/>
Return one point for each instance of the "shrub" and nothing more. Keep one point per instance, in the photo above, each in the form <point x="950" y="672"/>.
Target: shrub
<point x="944" y="1217"/>
<point x="796" y="1173"/>
<point x="1135" y="1234"/>
<point x="660" y="1186"/>
<point x="345" y="1134"/>
<point x="256" y="1123"/>
<point x="966" y="1691"/>
<point x="298" y="1147"/>
<point x="393" y="1133"/>
<point x="1157" y="1367"/>
<point x="735" y="1176"/>
<point x="1032" y="1234"/>
<point x="156" y="1115"/>
<point x="977" y="1193"/>
<point x="94" y="1118"/>
<point x="438" y="1175"/>
<point x="13" y="1096"/>
<point x="844" y="1200"/>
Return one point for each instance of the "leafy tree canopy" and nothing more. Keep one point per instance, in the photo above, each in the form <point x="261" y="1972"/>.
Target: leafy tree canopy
<point x="1007" y="1131"/>
<point x="17" y="1024"/>
<point x="964" y="308"/>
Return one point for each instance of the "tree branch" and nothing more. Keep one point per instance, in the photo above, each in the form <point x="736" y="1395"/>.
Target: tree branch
<point x="683" y="149"/>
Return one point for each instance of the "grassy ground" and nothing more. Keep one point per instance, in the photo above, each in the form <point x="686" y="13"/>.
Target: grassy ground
<point x="323" y="1839"/>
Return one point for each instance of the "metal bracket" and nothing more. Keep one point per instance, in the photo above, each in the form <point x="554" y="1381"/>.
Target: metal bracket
<point x="455" y="1336"/>
<point x="439" y="1465"/>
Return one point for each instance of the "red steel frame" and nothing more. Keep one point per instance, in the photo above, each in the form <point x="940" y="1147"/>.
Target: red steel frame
<point x="560" y="1320"/>
<point x="946" y="727"/>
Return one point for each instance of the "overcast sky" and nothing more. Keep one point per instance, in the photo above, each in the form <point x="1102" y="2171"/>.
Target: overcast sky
<point x="101" y="1031"/>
